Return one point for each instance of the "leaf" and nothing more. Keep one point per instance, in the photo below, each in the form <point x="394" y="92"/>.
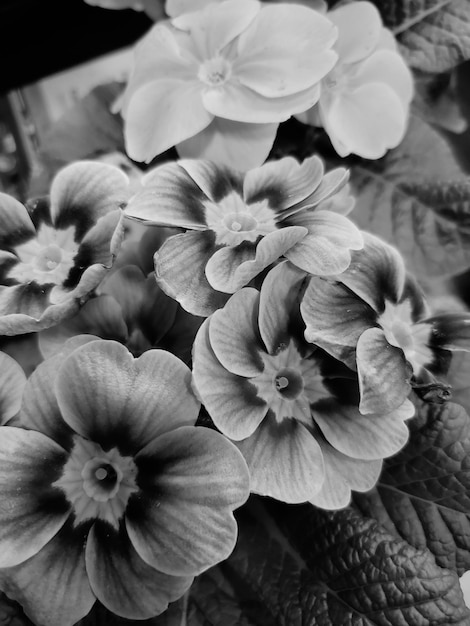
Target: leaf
<point x="418" y="199"/>
<point x="423" y="495"/>
<point x="436" y="101"/>
<point x="342" y="569"/>
<point x="434" y="34"/>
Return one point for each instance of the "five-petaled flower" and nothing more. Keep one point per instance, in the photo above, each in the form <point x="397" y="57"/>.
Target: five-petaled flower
<point x="291" y="409"/>
<point x="108" y="490"/>
<point x="55" y="254"/>
<point x="239" y="224"/>
<point x="217" y="82"/>
<point x="365" y="99"/>
<point x="374" y="318"/>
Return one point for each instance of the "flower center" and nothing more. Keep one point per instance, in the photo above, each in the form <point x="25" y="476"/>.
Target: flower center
<point x="97" y="484"/>
<point x="48" y="258"/>
<point x="288" y="383"/>
<point x="240" y="222"/>
<point x="215" y="72"/>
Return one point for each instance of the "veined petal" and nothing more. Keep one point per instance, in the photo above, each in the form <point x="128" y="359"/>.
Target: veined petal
<point x="284" y="459"/>
<point x="359" y="29"/>
<point x="52" y="586"/>
<point x="342" y="474"/>
<point x="283" y="183"/>
<point x="383" y="372"/>
<point x="279" y="293"/>
<point x="191" y="481"/>
<point x="212" y="178"/>
<point x="335" y="318"/>
<point x="129" y="401"/>
<point x="180" y="271"/>
<point x="450" y="331"/>
<point x="122" y="581"/>
<point x="85" y="191"/>
<point x="32" y="511"/>
<point x="331" y="183"/>
<point x="16" y="226"/>
<point x="12" y="383"/>
<point x="161" y="114"/>
<point x="232" y="402"/>
<point x="169" y="197"/>
<point x="366" y="437"/>
<point x="234" y="144"/>
<point x="14" y="320"/>
<point x="279" y="66"/>
<point x="230" y="269"/>
<point x="233" y="335"/>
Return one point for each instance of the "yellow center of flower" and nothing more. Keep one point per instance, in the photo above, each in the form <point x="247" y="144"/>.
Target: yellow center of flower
<point x="48" y="258"/>
<point x="215" y="72"/>
<point x="97" y="484"/>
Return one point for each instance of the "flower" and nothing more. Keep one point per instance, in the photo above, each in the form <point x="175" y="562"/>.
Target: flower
<point x="290" y="408"/>
<point x="56" y="250"/>
<point x="173" y="8"/>
<point x="113" y="493"/>
<point x="12" y="382"/>
<point x="153" y="8"/>
<point x="217" y="82"/>
<point x="239" y="225"/>
<point x="365" y="99"/>
<point x="375" y="319"/>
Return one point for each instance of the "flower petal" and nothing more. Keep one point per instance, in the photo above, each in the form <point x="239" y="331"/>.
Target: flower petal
<point x="343" y="473"/>
<point x="180" y="271"/>
<point x="16" y="226"/>
<point x="128" y="401"/>
<point x="283" y="183"/>
<point x="279" y="294"/>
<point x="161" y="114"/>
<point x="277" y="66"/>
<point x="32" y="511"/>
<point x="284" y="459"/>
<point x="359" y="29"/>
<point x="23" y="309"/>
<point x="335" y="318"/>
<point x="233" y="335"/>
<point x="366" y="437"/>
<point x="83" y="192"/>
<point x="383" y="373"/>
<point x="387" y="66"/>
<point x="173" y="8"/>
<point x="169" y="197"/>
<point x="234" y="144"/>
<point x="12" y="382"/>
<point x="450" y="331"/>
<point x="53" y="586"/>
<point x="191" y="479"/>
<point x="124" y="583"/>
<point x="232" y="403"/>
<point x="214" y="180"/>
<point x="229" y="269"/>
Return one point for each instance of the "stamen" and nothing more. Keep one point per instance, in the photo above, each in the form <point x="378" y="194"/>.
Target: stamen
<point x="281" y="382"/>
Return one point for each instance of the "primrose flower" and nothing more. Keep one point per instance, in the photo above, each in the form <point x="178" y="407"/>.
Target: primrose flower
<point x="217" y="82"/>
<point x="365" y="99"/>
<point x="112" y="494"/>
<point x="290" y="408"/>
<point x="375" y="319"/>
<point x="237" y="225"/>
<point x="56" y="250"/>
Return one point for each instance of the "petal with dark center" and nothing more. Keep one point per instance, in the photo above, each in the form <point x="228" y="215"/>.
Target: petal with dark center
<point x="450" y="331"/>
<point x="233" y="334"/>
<point x="12" y="382"/>
<point x="383" y="373"/>
<point x="129" y="401"/>
<point x="191" y="479"/>
<point x="53" y="586"/>
<point x="122" y="581"/>
<point x="284" y="459"/>
<point x="31" y="510"/>
<point x="180" y="270"/>
<point x="16" y="226"/>
<point x="213" y="179"/>
<point x="231" y="400"/>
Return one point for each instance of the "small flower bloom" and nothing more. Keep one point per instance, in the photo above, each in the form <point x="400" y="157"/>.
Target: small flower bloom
<point x="53" y="256"/>
<point x="290" y="408"/>
<point x="375" y="319"/>
<point x="217" y="82"/>
<point x="365" y="99"/>
<point x="113" y="493"/>
<point x="239" y="225"/>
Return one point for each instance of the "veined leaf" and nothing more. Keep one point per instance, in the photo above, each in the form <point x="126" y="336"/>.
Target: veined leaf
<point x="418" y="199"/>
<point x="423" y="495"/>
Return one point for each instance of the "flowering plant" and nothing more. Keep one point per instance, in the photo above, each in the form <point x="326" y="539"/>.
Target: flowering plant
<point x="234" y="361"/>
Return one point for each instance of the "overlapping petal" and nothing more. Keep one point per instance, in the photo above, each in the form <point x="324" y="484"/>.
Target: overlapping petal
<point x="359" y="28"/>
<point x="12" y="383"/>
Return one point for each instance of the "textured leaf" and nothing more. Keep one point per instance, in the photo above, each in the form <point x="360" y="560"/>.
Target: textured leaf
<point x="418" y="199"/>
<point x="344" y="570"/>
<point x="434" y="34"/>
<point x="423" y="495"/>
